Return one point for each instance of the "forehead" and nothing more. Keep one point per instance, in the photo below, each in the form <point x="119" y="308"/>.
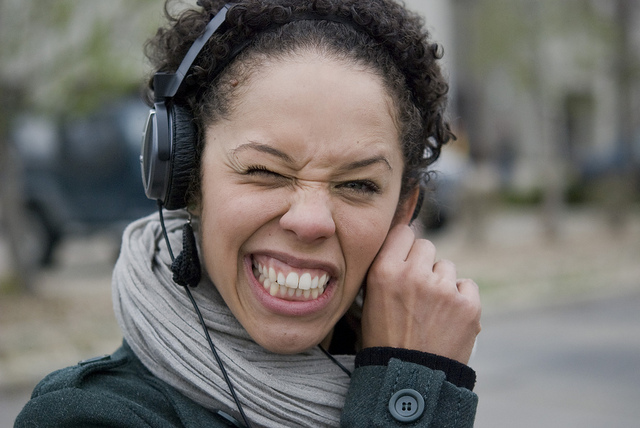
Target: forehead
<point x="318" y="100"/>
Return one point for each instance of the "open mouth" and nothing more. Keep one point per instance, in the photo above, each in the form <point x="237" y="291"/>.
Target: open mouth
<point x="287" y="283"/>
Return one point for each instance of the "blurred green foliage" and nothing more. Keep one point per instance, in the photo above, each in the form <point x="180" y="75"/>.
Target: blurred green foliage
<point x="66" y="56"/>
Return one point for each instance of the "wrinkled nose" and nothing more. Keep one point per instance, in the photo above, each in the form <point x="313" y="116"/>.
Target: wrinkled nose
<point x="310" y="216"/>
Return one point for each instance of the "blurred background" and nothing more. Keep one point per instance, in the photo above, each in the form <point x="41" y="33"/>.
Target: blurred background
<point x="538" y="200"/>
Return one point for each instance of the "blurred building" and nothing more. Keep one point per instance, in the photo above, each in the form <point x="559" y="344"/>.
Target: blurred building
<point x="547" y="92"/>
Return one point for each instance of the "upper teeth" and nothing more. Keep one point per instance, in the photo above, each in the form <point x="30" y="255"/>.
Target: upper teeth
<point x="291" y="284"/>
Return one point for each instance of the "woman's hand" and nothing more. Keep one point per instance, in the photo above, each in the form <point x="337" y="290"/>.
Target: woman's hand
<point x="413" y="301"/>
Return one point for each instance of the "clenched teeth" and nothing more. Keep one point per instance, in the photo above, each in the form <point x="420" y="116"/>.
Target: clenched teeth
<point x="291" y="285"/>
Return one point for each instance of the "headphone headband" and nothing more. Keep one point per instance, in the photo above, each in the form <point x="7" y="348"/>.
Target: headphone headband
<point x="166" y="85"/>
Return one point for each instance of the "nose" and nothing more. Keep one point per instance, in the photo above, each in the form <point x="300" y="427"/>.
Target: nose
<point x="310" y="216"/>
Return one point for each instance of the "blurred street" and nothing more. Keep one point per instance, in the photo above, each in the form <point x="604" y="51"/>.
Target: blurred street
<point x="560" y="345"/>
<point x="571" y="365"/>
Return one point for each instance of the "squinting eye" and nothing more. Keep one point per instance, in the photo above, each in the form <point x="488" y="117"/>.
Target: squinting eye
<point x="361" y="186"/>
<point x="260" y="170"/>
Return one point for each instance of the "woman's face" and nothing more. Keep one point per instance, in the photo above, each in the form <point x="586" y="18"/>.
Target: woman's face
<point x="300" y="185"/>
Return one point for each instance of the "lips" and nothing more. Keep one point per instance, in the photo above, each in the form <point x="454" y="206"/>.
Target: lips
<point x="281" y="280"/>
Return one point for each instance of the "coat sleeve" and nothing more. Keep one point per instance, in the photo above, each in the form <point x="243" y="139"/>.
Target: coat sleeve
<point x="406" y="394"/>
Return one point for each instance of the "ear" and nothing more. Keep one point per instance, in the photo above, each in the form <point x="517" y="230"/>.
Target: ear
<point x="404" y="212"/>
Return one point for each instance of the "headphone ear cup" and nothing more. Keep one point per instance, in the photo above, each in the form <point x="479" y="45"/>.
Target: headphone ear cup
<point x="183" y="157"/>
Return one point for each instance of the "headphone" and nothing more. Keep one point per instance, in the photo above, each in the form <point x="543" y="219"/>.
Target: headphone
<point x="168" y="156"/>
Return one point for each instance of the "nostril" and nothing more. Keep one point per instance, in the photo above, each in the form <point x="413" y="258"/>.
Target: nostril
<point x="309" y="222"/>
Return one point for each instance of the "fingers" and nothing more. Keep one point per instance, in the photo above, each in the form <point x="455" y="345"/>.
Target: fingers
<point x="417" y="302"/>
<point x="398" y="244"/>
<point x="401" y="245"/>
<point x="423" y="252"/>
<point x="468" y="287"/>
<point x="416" y="258"/>
<point x="470" y="291"/>
<point x="445" y="269"/>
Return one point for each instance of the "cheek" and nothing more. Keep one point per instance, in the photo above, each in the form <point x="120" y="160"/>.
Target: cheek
<point x="230" y="215"/>
<point x="361" y="240"/>
<point x="222" y="226"/>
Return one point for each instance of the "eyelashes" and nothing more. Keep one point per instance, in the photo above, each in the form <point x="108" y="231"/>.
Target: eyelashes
<point x="261" y="170"/>
<point x="361" y="186"/>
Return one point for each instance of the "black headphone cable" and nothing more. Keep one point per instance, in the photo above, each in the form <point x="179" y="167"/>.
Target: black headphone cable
<point x="204" y="327"/>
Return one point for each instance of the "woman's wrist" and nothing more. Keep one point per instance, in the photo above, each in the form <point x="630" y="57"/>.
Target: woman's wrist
<point x="457" y="373"/>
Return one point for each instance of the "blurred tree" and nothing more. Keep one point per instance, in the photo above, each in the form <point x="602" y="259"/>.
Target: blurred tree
<point x="59" y="58"/>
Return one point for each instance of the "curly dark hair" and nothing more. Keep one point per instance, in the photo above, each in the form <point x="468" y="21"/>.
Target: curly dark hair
<point x="381" y="35"/>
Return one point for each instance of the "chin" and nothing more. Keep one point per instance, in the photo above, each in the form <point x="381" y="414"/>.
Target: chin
<point x="286" y="344"/>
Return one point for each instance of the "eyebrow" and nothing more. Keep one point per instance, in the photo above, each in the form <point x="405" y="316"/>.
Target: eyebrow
<point x="262" y="148"/>
<point x="369" y="161"/>
<point x="265" y="148"/>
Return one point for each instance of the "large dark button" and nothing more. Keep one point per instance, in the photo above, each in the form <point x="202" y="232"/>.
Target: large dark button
<point x="406" y="405"/>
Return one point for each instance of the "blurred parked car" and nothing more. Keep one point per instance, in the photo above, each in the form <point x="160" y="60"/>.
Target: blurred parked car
<point x="611" y="159"/>
<point x="444" y="190"/>
<point x="80" y="175"/>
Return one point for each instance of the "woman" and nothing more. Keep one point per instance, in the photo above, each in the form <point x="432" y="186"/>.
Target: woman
<point x="307" y="127"/>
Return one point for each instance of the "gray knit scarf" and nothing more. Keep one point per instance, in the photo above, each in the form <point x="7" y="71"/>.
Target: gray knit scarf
<point x="160" y="325"/>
